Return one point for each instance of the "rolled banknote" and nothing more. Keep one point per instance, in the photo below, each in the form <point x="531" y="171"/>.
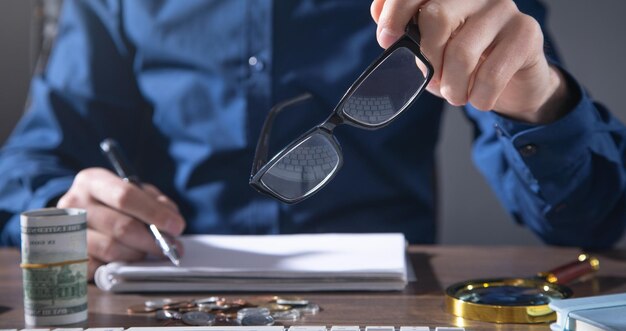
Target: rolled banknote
<point x="54" y="266"/>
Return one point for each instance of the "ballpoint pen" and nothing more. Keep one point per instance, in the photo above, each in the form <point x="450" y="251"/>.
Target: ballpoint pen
<point x="113" y="152"/>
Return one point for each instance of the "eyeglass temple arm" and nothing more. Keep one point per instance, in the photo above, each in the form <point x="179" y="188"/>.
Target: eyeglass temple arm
<point x="262" y="147"/>
<point x="413" y="32"/>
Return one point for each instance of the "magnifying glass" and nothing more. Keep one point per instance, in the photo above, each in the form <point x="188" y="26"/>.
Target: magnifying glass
<point x="516" y="300"/>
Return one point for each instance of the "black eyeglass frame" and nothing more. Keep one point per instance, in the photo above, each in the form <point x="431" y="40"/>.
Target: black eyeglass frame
<point x="260" y="165"/>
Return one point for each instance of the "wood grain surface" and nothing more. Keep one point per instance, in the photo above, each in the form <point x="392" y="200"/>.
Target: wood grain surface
<point x="421" y="303"/>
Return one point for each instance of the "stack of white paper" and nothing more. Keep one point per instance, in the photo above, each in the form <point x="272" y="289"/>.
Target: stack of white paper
<point x="307" y="262"/>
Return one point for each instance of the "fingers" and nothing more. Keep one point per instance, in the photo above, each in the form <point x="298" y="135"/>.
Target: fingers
<point x="112" y="191"/>
<point x="376" y="8"/>
<point x="105" y="248"/>
<point x="465" y="28"/>
<point x="477" y="49"/>
<point x="92" y="265"/>
<point x="437" y="24"/>
<point x="497" y="70"/>
<point x="122" y="228"/>
<point x="117" y="214"/>
<point x="463" y="52"/>
<point x="159" y="196"/>
<point x="392" y="17"/>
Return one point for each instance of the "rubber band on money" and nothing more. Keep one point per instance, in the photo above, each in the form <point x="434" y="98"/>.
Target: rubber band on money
<point x="48" y="265"/>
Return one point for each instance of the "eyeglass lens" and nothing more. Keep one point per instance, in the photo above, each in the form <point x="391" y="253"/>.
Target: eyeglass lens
<point x="387" y="90"/>
<point x="304" y="168"/>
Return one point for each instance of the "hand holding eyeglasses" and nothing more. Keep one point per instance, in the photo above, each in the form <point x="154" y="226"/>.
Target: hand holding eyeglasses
<point x="485" y="52"/>
<point x="382" y="92"/>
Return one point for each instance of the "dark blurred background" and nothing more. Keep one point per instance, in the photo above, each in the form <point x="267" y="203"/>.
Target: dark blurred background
<point x="589" y="36"/>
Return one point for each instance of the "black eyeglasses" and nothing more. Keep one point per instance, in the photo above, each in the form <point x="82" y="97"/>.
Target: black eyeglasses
<point x="383" y="91"/>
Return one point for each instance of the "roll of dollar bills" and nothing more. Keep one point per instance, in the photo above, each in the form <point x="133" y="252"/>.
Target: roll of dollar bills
<point x="54" y="266"/>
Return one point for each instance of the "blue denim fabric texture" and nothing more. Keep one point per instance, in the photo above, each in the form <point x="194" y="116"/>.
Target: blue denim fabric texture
<point x="184" y="86"/>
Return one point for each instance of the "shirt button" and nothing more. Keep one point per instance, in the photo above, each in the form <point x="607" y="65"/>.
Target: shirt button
<point x="528" y="150"/>
<point x="255" y="63"/>
<point x="498" y="129"/>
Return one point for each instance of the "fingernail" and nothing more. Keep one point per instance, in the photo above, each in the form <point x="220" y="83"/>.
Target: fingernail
<point x="387" y="37"/>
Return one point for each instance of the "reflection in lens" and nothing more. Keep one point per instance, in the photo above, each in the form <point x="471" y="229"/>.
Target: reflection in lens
<point x="387" y="90"/>
<point x="303" y="169"/>
<point x="509" y="295"/>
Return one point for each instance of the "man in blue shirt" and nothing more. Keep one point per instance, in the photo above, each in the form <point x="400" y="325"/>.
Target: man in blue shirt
<point x="184" y="86"/>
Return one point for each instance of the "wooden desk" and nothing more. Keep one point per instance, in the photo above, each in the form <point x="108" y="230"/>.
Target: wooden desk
<point x="421" y="303"/>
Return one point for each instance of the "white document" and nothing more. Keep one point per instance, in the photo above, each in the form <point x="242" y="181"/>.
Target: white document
<point x="303" y="262"/>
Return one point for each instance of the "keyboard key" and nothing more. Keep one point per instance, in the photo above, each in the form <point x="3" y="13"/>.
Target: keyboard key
<point x="308" y="328"/>
<point x="255" y="328"/>
<point x="203" y="328"/>
<point x="380" y="328"/>
<point x="344" y="328"/>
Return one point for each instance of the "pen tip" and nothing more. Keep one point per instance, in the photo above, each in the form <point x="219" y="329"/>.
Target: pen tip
<point x="174" y="257"/>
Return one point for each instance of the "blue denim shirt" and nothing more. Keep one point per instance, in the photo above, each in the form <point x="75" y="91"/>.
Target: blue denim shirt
<point x="184" y="86"/>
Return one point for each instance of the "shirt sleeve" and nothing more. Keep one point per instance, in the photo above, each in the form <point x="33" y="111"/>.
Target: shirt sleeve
<point x="565" y="180"/>
<point x="87" y="93"/>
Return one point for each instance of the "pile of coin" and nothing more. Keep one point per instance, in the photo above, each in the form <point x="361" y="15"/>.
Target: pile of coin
<point x="218" y="311"/>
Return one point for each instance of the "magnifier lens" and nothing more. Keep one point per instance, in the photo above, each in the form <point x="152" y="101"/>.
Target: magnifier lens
<point x="515" y="300"/>
<point x="508" y="295"/>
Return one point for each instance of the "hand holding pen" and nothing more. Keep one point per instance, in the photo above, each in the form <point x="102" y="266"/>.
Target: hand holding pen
<point x="118" y="216"/>
<point x="114" y="154"/>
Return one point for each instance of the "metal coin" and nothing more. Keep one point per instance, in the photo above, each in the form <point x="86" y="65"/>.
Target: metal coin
<point x="291" y="301"/>
<point x="237" y="303"/>
<point x="224" y="320"/>
<point x="198" y="318"/>
<point x="140" y="309"/>
<point x="252" y="311"/>
<point x="186" y="310"/>
<point x="273" y="307"/>
<point x="179" y="305"/>
<point x="209" y="300"/>
<point x="213" y="306"/>
<point x="164" y="315"/>
<point x="158" y="303"/>
<point x="257" y="320"/>
<point x="231" y="312"/>
<point x="261" y="300"/>
<point x="310" y="309"/>
<point x="286" y="316"/>
<point x="177" y="315"/>
<point x="201" y="308"/>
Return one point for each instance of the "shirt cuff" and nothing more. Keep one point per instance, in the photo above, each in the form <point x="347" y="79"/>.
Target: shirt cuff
<point x="540" y="151"/>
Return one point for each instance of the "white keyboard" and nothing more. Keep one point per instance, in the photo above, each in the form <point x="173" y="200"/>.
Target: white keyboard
<point x="253" y="328"/>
